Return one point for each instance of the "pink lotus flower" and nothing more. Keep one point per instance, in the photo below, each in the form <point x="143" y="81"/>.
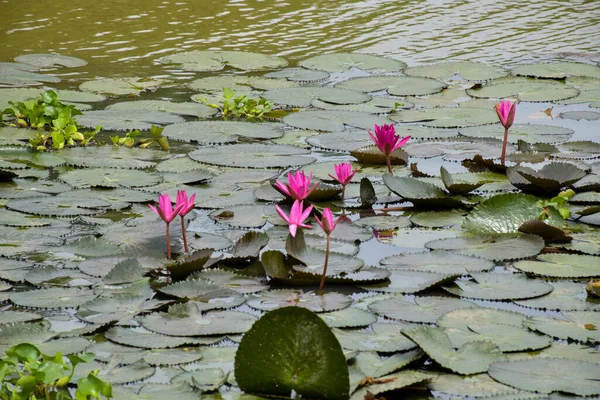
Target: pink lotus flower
<point x="387" y="141"/>
<point x="296" y="217"/>
<point x="298" y="186"/>
<point x="506" y="115"/>
<point x="328" y="225"/>
<point x="167" y="214"/>
<point x="344" y="175"/>
<point x="187" y="205"/>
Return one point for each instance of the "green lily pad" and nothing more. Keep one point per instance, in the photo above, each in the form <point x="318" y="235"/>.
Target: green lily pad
<point x="239" y="84"/>
<point x="58" y="206"/>
<point x="13" y="317"/>
<point x="395" y="85"/>
<point x="30" y="158"/>
<point x="585" y="198"/>
<point x="122" y="86"/>
<point x="17" y="74"/>
<point x="298" y="74"/>
<point x="585" y="96"/>
<point x="382" y="337"/>
<point x="462" y="318"/>
<point x="559" y="70"/>
<point x="293" y="336"/>
<point x="424" y="309"/>
<point x="255" y="156"/>
<point x="206" y="295"/>
<point x="437" y="219"/>
<point x="14" y="270"/>
<point x="33" y="333"/>
<point x="491" y="247"/>
<point x="199" y="60"/>
<point x="561" y="266"/>
<point x="588" y="243"/>
<point x="187" y="320"/>
<point x="392" y="383"/>
<point x="456" y="187"/>
<point x="372" y="155"/>
<point x="437" y="261"/>
<point x="420" y="193"/>
<point x="52" y="298"/>
<point x="230" y="280"/>
<point x="348" y="318"/>
<point x="506" y="337"/>
<point x="580" y="115"/>
<point x="471" y="358"/>
<point x="377" y="105"/>
<point x="549" y="375"/>
<point x="273" y="299"/>
<point x="529" y="133"/>
<point x="333" y="121"/>
<point x="549" y="179"/>
<point x="119" y="308"/>
<point x="526" y="91"/>
<point x="468" y="70"/>
<point x="109" y="178"/>
<point x="17" y="219"/>
<point x="479" y="386"/>
<point x="371" y="364"/>
<point x="50" y="60"/>
<point x="447" y="117"/>
<point x="112" y="157"/>
<point x="405" y="281"/>
<point x="123" y="120"/>
<point x="186" y="108"/>
<point x="490" y="286"/>
<point x="340" y="62"/>
<point x="53" y="276"/>
<point x="208" y="132"/>
<point x="303" y="96"/>
<point x="566" y="296"/>
<point x="115" y="374"/>
<point x="206" y="379"/>
<point x="383" y="223"/>
<point x="576" y="325"/>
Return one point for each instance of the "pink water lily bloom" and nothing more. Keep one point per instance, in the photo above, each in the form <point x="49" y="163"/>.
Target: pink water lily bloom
<point x="344" y="173"/>
<point x="297" y="216"/>
<point x="165" y="210"/>
<point x="298" y="185"/>
<point x="326" y="222"/>
<point x="506" y="113"/>
<point x="387" y="141"/>
<point x="187" y="204"/>
<point x="167" y="213"/>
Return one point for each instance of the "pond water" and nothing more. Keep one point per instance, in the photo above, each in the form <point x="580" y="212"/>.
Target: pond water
<point x="119" y="37"/>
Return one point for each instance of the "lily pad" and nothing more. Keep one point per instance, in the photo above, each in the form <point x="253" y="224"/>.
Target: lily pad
<point x="424" y="309"/>
<point x="585" y="96"/>
<point x="340" y="62"/>
<point x="561" y="266"/>
<point x="58" y="206"/>
<point x="559" y="70"/>
<point x="576" y="325"/>
<point x="303" y="96"/>
<point x="506" y="337"/>
<point x="459" y="117"/>
<point x="293" y="336"/>
<point x="255" y="156"/>
<point x="377" y="105"/>
<point x="456" y="187"/>
<point x="392" y="383"/>
<point x="122" y="86"/>
<point x="123" y="120"/>
<point x="467" y="70"/>
<point x="394" y="85"/>
<point x="109" y="178"/>
<point x="208" y="132"/>
<point x="479" y="386"/>
<point x="526" y="91"/>
<point x="371" y="364"/>
<point x="471" y="358"/>
<point x="50" y="60"/>
<point x="549" y="179"/>
<point x="462" y="318"/>
<point x="437" y="261"/>
<point x="17" y="74"/>
<point x="273" y="299"/>
<point x="490" y="286"/>
<point x="529" y="133"/>
<point x="492" y="248"/>
<point x="348" y="318"/>
<point x="12" y="317"/>
<point x="199" y="60"/>
<point x="549" y="375"/>
<point x="420" y="193"/>
<point x="52" y="298"/>
<point x="112" y="157"/>
<point x="437" y="219"/>
<point x="205" y="294"/>
<point x="186" y="108"/>
<point x="298" y="74"/>
<point x="333" y="121"/>
<point x="566" y="296"/>
<point x="382" y="337"/>
<point x="405" y="281"/>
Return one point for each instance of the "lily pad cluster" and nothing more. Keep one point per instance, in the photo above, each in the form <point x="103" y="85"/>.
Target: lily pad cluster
<point x="453" y="274"/>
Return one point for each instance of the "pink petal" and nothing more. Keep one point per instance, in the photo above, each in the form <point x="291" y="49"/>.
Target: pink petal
<point x="282" y="214"/>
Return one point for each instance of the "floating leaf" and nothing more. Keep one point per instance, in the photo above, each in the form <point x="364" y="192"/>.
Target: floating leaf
<point x="506" y="337"/>
<point x="490" y="286"/>
<point x="437" y="219"/>
<point x="561" y="266"/>
<point x="205" y="294"/>
<point x="576" y="325"/>
<point x="198" y="60"/>
<point x="549" y="179"/>
<point x="151" y="340"/>
<point x="207" y="132"/>
<point x="332" y="120"/>
<point x="566" y="296"/>
<point x="13" y="317"/>
<point x="404" y="281"/>
<point x="255" y="156"/>
<point x="529" y="133"/>
<point x="123" y="120"/>
<point x="420" y="193"/>
<point x="471" y="358"/>
<point x="32" y="333"/>
<point x="424" y="309"/>
<point x="467" y="70"/>
<point x="50" y="60"/>
<point x="298" y="74"/>
<point x="371" y="364"/>
<point x="340" y="62"/>
<point x="303" y="96"/>
<point x="293" y="336"/>
<point x="492" y="248"/>
<point x="457" y="187"/>
<point x="548" y="375"/>
<point x="382" y="337"/>
<point x="393" y="382"/>
<point x="230" y="280"/>
<point x="395" y="85"/>
<point x="447" y="117"/>
<point x="462" y="318"/>
<point x="52" y="298"/>
<point x="17" y="74"/>
<point x="267" y="301"/>
<point x="437" y="261"/>
<point x="348" y="318"/>
<point x="526" y="91"/>
<point x="377" y="105"/>
<point x="122" y="86"/>
<point x="559" y="70"/>
<point x="109" y="178"/>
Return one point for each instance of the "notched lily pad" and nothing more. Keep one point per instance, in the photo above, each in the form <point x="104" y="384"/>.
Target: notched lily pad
<point x="562" y="266"/>
<point x="256" y="155"/>
<point x="394" y="85"/>
<point x="490" y="286"/>
<point x="437" y="261"/>
<point x="340" y="62"/>
<point x="50" y="60"/>
<point x="199" y="60"/>
<point x="525" y="91"/>
<point x="123" y="120"/>
<point x="332" y="121"/>
<point x="467" y="70"/>
<point x="122" y="86"/>
<point x="303" y="96"/>
<point x="492" y="247"/>
<point x="273" y="299"/>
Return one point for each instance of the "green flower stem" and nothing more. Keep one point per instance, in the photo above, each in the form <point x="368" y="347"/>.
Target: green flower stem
<point x="343" y="192"/>
<point x="185" y="245"/>
<point x="325" y="266"/>
<point x="503" y="157"/>
<point x="168" y="244"/>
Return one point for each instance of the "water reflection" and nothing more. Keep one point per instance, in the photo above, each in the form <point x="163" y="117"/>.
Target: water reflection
<point x="500" y="32"/>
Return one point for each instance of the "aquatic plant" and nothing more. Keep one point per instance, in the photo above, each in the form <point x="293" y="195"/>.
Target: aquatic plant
<point x="298" y="187"/>
<point x="328" y="225"/>
<point x="387" y="141"/>
<point x="167" y="214"/>
<point x="241" y="106"/>
<point x="129" y="139"/>
<point x="297" y="216"/>
<point x="27" y="374"/>
<point x="187" y="205"/>
<point x="506" y="115"/>
<point x="344" y="175"/>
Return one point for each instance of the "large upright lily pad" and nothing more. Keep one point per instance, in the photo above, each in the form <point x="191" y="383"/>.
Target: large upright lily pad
<point x="420" y="193"/>
<point x="303" y="356"/>
<point x="340" y="62"/>
<point x="199" y="60"/>
<point x="256" y="155"/>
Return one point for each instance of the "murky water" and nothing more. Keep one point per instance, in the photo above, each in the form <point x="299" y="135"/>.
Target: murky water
<point x="117" y="36"/>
